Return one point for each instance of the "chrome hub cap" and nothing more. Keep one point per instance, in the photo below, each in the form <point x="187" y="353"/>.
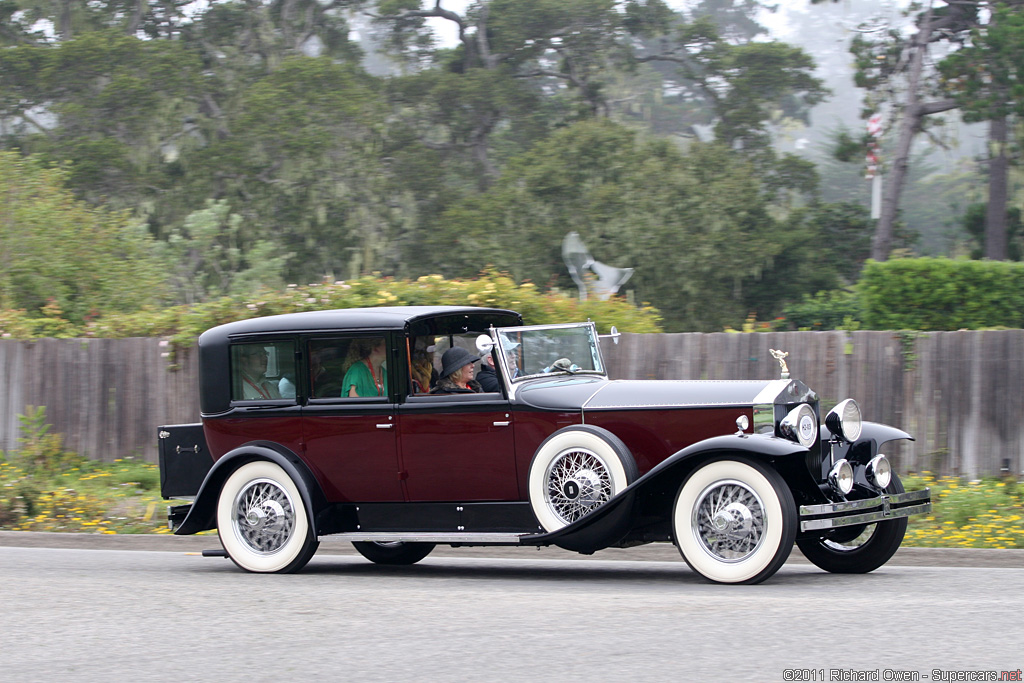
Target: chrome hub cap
<point x="263" y="516"/>
<point x="577" y="482"/>
<point x="728" y="521"/>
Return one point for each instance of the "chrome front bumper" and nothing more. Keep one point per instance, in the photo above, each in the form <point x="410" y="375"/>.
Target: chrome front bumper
<point x="868" y="511"/>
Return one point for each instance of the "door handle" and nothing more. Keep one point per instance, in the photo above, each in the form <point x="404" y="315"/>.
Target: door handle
<point x="506" y="423"/>
<point x="385" y="426"/>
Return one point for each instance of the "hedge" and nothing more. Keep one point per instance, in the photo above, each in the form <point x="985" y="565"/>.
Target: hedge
<point x="184" y="323"/>
<point x="932" y="294"/>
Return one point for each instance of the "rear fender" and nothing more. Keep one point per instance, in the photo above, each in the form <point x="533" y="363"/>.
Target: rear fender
<point x="202" y="514"/>
<point x="602" y="527"/>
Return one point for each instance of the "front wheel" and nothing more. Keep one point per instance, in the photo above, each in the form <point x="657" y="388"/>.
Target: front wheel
<point x="849" y="552"/>
<point x="262" y="521"/>
<point x="393" y="552"/>
<point x="734" y="521"/>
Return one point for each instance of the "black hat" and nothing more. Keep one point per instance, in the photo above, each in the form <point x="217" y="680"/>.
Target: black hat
<point x="455" y="358"/>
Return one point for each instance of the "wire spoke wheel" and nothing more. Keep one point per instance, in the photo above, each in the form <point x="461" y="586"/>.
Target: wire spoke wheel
<point x="734" y="520"/>
<point x="263" y="516"/>
<point x="728" y="519"/>
<point x="262" y="520"/>
<point x="577" y="482"/>
<point x="575" y="471"/>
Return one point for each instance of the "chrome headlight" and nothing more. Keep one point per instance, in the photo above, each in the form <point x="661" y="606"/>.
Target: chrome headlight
<point x="800" y="425"/>
<point x="879" y="471"/>
<point x="844" y="420"/>
<point x="840" y="477"/>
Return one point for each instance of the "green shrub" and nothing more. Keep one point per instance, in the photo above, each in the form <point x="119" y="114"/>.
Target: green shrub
<point x="830" y="310"/>
<point x="185" y="323"/>
<point x="941" y="294"/>
<point x="41" y="452"/>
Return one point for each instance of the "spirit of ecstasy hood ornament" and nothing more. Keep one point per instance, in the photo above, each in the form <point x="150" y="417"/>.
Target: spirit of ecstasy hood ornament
<point x="781" y="357"/>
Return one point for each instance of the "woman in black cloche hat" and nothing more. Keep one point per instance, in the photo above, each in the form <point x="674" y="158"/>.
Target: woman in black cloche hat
<point x="457" y="373"/>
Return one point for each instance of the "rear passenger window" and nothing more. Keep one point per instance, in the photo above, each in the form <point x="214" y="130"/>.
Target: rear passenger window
<point x="262" y="371"/>
<point x="348" y="367"/>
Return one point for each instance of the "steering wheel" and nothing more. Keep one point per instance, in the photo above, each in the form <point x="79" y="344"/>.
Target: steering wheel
<point x="563" y="365"/>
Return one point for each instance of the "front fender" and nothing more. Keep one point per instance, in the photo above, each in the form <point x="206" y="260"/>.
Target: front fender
<point x="609" y="523"/>
<point x="202" y="514"/>
<point x="880" y="433"/>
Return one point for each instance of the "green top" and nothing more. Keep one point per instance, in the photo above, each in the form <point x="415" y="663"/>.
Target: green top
<point x="360" y="376"/>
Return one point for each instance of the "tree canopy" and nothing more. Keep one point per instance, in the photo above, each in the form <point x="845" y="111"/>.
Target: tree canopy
<point x="246" y="145"/>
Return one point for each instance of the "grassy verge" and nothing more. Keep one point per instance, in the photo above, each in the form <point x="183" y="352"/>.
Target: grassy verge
<point x="977" y="514"/>
<point x="43" y="487"/>
<point x="122" y="497"/>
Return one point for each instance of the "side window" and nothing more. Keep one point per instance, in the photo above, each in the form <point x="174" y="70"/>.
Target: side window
<point x="262" y="371"/>
<point x="422" y="367"/>
<point x="348" y="367"/>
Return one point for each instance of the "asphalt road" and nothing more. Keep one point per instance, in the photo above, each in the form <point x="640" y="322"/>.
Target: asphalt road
<point x="470" y="615"/>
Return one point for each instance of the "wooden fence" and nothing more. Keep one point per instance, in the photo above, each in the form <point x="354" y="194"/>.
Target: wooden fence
<point x="958" y="393"/>
<point x="106" y="396"/>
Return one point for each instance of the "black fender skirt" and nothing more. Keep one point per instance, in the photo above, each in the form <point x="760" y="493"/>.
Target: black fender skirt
<point x="609" y="523"/>
<point x="202" y="514"/>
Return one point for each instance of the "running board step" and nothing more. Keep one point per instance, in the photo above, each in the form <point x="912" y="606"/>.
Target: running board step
<point x="458" y="538"/>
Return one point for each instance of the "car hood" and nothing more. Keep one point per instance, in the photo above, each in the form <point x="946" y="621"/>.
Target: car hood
<point x="596" y="393"/>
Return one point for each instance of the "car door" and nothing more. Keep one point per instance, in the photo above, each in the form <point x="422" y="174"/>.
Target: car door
<point x="350" y="441"/>
<point x="458" y="448"/>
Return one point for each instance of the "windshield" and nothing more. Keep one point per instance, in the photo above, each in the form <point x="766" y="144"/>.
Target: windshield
<point x="533" y="351"/>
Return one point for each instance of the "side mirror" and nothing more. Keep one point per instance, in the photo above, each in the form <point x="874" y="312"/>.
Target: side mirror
<point x="613" y="335"/>
<point x="484" y="344"/>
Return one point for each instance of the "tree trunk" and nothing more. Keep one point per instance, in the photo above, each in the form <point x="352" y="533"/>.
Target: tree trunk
<point x="995" y="219"/>
<point x="881" y="243"/>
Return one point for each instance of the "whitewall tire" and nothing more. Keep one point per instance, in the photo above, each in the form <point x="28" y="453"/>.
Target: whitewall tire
<point x="734" y="521"/>
<point x="262" y="521"/>
<point x="575" y="471"/>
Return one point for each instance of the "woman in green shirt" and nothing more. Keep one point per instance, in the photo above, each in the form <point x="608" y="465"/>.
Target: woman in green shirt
<point x="366" y="376"/>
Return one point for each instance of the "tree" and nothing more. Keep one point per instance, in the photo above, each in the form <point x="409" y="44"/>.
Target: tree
<point x="301" y="165"/>
<point x="884" y="61"/>
<point x="694" y="226"/>
<point x="511" y="54"/>
<point x="59" y="252"/>
<point x="741" y="84"/>
<point x="986" y="79"/>
<point x="116" y="107"/>
<point x="209" y="259"/>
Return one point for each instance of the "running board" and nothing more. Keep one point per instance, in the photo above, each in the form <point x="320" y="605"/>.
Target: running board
<point x="462" y="538"/>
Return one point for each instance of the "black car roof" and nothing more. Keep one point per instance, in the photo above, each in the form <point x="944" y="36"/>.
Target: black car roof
<point x="380" y="318"/>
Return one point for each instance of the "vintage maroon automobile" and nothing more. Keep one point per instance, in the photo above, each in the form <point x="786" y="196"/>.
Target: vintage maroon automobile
<point x="731" y="472"/>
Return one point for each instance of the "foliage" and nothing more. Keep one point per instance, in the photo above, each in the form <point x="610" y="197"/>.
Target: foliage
<point x="61" y="258"/>
<point x="942" y="294"/>
<point x="210" y="260"/>
<point x="977" y="514"/>
<point x="985" y="75"/>
<point x="111" y="105"/>
<point x="826" y="310"/>
<point x="693" y="225"/>
<point x="494" y="289"/>
<point x="974" y="224"/>
<point x="87" y="497"/>
<point x="256" y="150"/>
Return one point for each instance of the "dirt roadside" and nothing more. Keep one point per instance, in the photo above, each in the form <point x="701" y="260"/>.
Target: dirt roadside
<point x="655" y="552"/>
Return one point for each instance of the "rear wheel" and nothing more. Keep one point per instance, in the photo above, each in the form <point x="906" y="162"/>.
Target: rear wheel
<point x="262" y="521"/>
<point x="859" y="549"/>
<point x="734" y="521"/>
<point x="393" y="552"/>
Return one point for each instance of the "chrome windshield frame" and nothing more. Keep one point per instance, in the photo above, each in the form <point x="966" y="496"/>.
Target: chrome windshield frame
<point x="503" y="335"/>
